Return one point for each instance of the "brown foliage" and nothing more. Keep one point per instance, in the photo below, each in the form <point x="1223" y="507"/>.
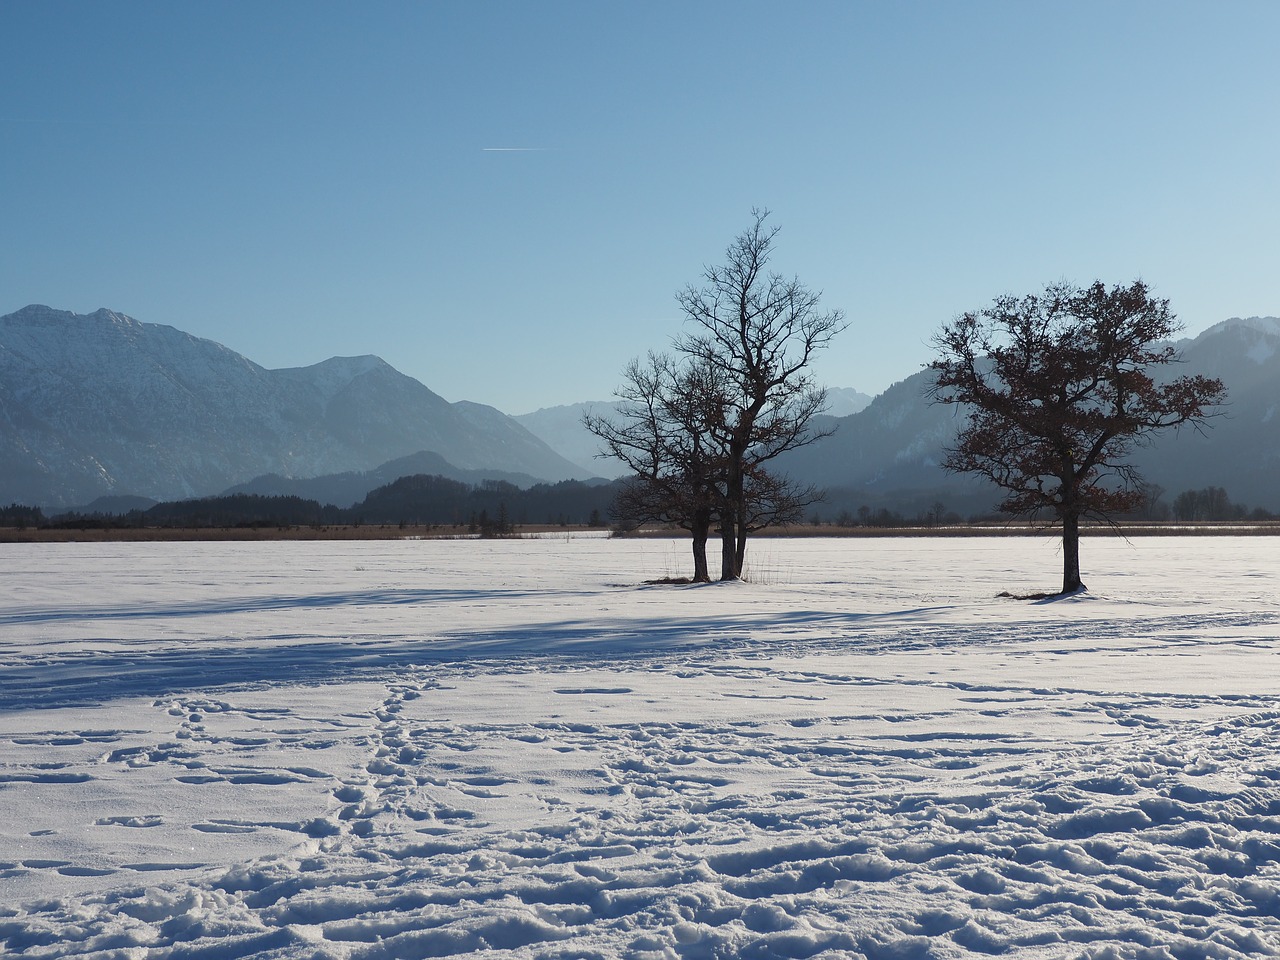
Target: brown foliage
<point x="1059" y="388"/>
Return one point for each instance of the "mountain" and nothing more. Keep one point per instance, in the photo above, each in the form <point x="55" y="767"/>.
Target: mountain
<point x="846" y="401"/>
<point x="101" y="404"/>
<point x="1239" y="449"/>
<point x="561" y="429"/>
<point x="888" y="454"/>
<point x="105" y="406"/>
<point x="891" y="450"/>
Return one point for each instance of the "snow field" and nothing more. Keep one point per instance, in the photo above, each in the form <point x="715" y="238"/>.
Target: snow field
<point x="454" y="748"/>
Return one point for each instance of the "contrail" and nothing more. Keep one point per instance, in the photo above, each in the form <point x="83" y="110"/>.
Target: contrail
<point x="513" y="149"/>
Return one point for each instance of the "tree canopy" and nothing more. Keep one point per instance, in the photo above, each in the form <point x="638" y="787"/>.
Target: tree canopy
<point x="1058" y="388"/>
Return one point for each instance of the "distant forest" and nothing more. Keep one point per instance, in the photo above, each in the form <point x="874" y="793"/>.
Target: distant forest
<point x="496" y="508"/>
<point x="492" y="507"/>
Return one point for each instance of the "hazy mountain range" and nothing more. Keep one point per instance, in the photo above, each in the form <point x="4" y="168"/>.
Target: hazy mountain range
<point x="101" y="405"/>
<point x="890" y="451"/>
<point x="885" y="451"/>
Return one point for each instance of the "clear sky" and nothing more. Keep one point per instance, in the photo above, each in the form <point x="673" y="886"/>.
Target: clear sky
<point x="502" y="198"/>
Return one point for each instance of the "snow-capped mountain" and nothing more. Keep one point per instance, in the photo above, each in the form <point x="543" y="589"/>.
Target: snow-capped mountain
<point x="100" y="404"/>
<point x="892" y="449"/>
<point x="846" y="401"/>
<point x="103" y="405"/>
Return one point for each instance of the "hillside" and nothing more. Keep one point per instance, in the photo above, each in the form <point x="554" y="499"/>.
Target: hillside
<point x="891" y="451"/>
<point x="101" y="404"/>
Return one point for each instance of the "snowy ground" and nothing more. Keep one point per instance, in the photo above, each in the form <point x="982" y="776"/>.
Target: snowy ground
<point x="515" y="749"/>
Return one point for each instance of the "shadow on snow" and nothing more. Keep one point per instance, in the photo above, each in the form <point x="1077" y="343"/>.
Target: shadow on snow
<point x="197" y="608"/>
<point x="34" y="680"/>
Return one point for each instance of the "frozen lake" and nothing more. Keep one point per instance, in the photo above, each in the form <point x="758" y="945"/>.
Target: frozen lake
<point x="517" y="749"/>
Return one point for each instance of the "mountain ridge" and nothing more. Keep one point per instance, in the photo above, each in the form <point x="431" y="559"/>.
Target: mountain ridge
<point x="897" y="443"/>
<point x="103" y="404"/>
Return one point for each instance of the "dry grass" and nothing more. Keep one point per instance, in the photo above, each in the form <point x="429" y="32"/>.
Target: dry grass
<point x="393" y="531"/>
<point x="1013" y="529"/>
<point x="163" y="534"/>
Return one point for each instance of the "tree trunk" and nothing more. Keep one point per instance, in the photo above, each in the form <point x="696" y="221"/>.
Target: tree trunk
<point x="701" y="532"/>
<point x="732" y="534"/>
<point x="740" y="553"/>
<point x="1071" y="553"/>
<point x="728" y="548"/>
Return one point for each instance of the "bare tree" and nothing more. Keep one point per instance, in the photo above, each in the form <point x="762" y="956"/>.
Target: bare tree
<point x="760" y="331"/>
<point x="665" y="434"/>
<point x="670" y="432"/>
<point x="1058" y="390"/>
<point x="774" y="500"/>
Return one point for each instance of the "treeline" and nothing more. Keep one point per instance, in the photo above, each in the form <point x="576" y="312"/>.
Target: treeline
<point x="492" y="507"/>
<point x="1212" y="504"/>
<point x="17" y="515"/>
<point x="935" y="515"/>
<point x="495" y="508"/>
<point x="1208" y="505"/>
<point x="433" y="499"/>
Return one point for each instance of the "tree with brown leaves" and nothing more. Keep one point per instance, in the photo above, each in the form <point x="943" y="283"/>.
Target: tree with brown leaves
<point x="1059" y="388"/>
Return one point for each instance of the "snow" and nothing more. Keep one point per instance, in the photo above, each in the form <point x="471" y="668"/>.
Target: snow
<point x="1261" y="352"/>
<point x="330" y="377"/>
<point x="1266" y="330"/>
<point x="1266" y="325"/>
<point x="518" y="749"/>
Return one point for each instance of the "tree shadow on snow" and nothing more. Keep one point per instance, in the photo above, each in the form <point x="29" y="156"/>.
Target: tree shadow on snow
<point x="1043" y="597"/>
<point x="199" y="608"/>
<point x="39" y="680"/>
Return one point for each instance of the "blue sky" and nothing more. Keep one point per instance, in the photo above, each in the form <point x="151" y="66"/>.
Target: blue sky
<point x="299" y="180"/>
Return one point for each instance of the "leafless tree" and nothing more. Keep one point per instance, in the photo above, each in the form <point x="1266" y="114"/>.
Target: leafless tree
<point x="669" y="430"/>
<point x="760" y="331"/>
<point x="1058" y="390"/>
<point x="665" y="434"/>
